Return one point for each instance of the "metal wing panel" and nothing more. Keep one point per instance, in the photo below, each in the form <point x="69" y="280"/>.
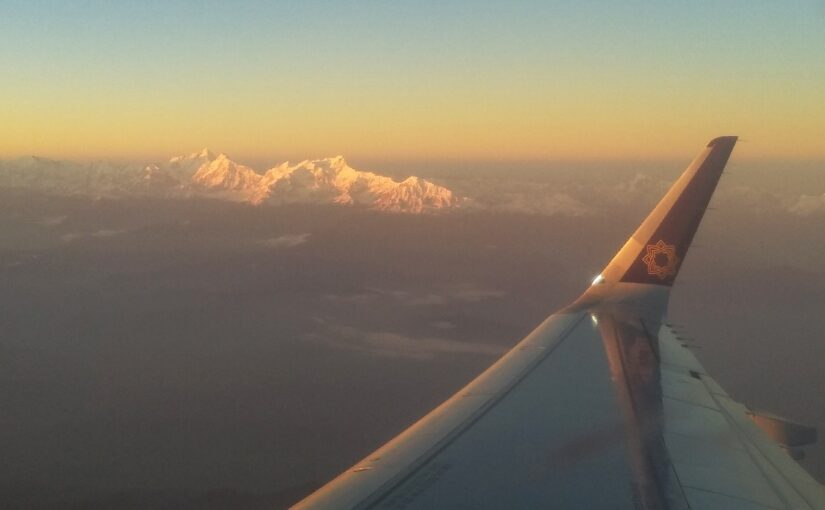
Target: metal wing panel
<point x="791" y="482"/>
<point x="586" y="399"/>
<point x="546" y="442"/>
<point x="380" y="471"/>
<point x="540" y="428"/>
<point x="722" y="460"/>
<point x="703" y="500"/>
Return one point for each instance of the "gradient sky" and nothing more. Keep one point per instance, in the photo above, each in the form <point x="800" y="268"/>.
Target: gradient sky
<point x="411" y="79"/>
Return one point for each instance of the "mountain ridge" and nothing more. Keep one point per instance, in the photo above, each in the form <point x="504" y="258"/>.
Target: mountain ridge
<point x="207" y="174"/>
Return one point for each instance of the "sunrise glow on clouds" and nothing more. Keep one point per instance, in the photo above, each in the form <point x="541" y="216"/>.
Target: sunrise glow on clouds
<point x="411" y="80"/>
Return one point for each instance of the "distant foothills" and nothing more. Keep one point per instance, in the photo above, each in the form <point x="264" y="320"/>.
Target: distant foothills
<point x="205" y="174"/>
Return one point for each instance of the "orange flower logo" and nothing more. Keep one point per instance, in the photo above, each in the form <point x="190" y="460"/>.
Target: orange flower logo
<point x="661" y="259"/>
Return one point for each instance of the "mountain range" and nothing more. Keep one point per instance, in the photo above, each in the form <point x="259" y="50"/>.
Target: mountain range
<point x="204" y="174"/>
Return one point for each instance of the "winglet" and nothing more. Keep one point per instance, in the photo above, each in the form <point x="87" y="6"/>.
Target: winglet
<point x="655" y="252"/>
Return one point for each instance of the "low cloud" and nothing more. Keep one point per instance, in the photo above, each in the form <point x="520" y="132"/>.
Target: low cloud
<point x="395" y="345"/>
<point x="522" y="197"/>
<point x="104" y="232"/>
<point x="473" y="294"/>
<point x="51" y="221"/>
<point x="427" y="300"/>
<point x="533" y="202"/>
<point x="360" y="298"/>
<point x="547" y="204"/>
<point x="461" y="293"/>
<point x="808" y="205"/>
<point x="285" y="241"/>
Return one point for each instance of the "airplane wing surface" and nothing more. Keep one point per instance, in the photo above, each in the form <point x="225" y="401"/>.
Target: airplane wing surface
<point x="601" y="406"/>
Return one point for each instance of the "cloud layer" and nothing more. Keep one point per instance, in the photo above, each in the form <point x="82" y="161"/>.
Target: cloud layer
<point x="396" y="345"/>
<point x="285" y="241"/>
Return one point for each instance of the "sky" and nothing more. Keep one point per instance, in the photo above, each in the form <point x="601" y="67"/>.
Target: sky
<point x="411" y="80"/>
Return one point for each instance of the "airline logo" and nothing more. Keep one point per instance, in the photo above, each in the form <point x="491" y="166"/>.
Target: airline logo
<point x="661" y="260"/>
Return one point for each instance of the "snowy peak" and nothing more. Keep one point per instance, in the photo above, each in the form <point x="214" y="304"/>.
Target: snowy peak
<point x="183" y="167"/>
<point x="319" y="181"/>
<point x="332" y="180"/>
<point x="415" y="194"/>
<point x="224" y="174"/>
<point x="204" y="155"/>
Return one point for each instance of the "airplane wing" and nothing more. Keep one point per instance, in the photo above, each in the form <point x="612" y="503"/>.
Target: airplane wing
<point x="601" y="406"/>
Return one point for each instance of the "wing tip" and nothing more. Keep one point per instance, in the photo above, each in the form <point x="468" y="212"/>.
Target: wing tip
<point x="654" y="253"/>
<point x="723" y="140"/>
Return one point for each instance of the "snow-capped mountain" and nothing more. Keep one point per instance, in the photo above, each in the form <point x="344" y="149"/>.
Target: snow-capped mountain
<point x="223" y="174"/>
<point x="184" y="167"/>
<point x="332" y="180"/>
<point x="322" y="181"/>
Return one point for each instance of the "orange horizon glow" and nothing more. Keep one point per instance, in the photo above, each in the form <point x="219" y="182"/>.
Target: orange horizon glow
<point x="536" y="82"/>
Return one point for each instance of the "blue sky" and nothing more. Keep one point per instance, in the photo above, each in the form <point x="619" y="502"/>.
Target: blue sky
<point x="505" y="79"/>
